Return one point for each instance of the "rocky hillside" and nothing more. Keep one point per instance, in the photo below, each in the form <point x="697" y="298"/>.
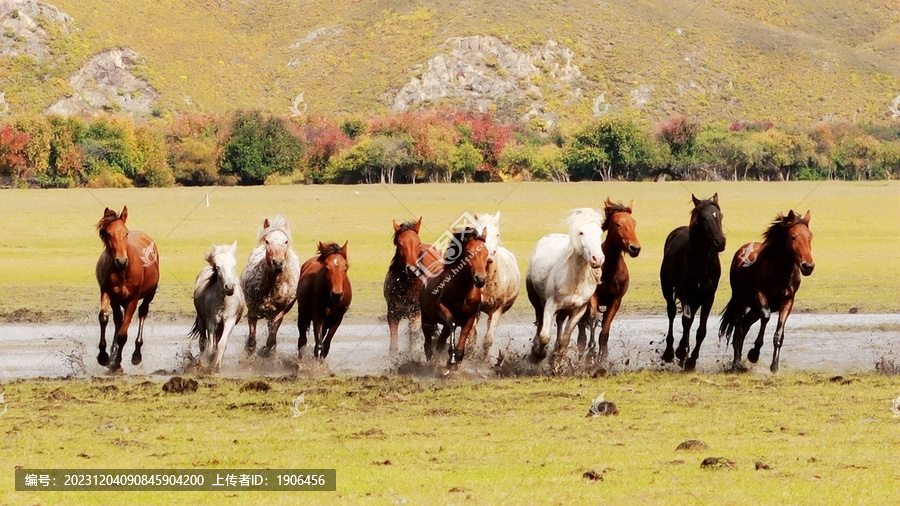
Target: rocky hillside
<point x="548" y="62"/>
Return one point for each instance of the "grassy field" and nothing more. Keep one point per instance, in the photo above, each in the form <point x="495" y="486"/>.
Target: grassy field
<point x="48" y="245"/>
<point x="505" y="441"/>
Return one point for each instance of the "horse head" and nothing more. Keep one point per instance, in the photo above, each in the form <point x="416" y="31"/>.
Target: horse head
<point x="334" y="261"/>
<point x="277" y="238"/>
<point x="586" y="235"/>
<point x="706" y="220"/>
<point x="800" y="240"/>
<point x="490" y="224"/>
<point x="471" y="251"/>
<point x="407" y="241"/>
<point x="620" y="227"/>
<point x="222" y="260"/>
<point x="114" y="235"/>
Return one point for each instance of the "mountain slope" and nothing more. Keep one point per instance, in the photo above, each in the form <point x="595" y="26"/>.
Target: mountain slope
<point x="778" y="60"/>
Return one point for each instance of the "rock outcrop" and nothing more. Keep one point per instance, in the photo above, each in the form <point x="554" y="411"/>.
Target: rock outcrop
<point x="22" y="27"/>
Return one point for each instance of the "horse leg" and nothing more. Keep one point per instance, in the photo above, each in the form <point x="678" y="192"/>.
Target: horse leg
<point x="778" y="339"/>
<point x="122" y="335"/>
<point x="582" y="335"/>
<point x="250" y="346"/>
<point x="317" y="325"/>
<point x="428" y="332"/>
<point x="542" y="337"/>
<point x="472" y="339"/>
<point x="691" y="362"/>
<point x="687" y="320"/>
<point x="671" y="311"/>
<point x="603" y="341"/>
<point x="221" y="341"/>
<point x="753" y="354"/>
<point x="415" y="325"/>
<point x="394" y="326"/>
<point x="331" y="331"/>
<point x="143" y="311"/>
<point x="564" y="333"/>
<point x="103" y="357"/>
<point x="458" y="352"/>
<point x="272" y="334"/>
<point x="303" y="328"/>
<point x="446" y="332"/>
<point x="492" y="324"/>
<point x="118" y="317"/>
<point x="738" y="341"/>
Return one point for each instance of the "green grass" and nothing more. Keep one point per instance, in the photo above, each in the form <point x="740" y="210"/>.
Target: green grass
<point x="48" y="246"/>
<point x="788" y="62"/>
<point x="505" y="441"/>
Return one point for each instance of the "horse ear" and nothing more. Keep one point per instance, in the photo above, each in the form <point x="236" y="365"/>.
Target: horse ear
<point x="234" y="248"/>
<point x="417" y="224"/>
<point x="124" y="215"/>
<point x="715" y="198"/>
<point x="497" y="216"/>
<point x="344" y="249"/>
<point x="695" y="199"/>
<point x="807" y="217"/>
<point x="483" y="234"/>
<point x="396" y="225"/>
<point x="609" y="203"/>
<point x="266" y="223"/>
<point x="321" y="247"/>
<point x="790" y="218"/>
<point x="631" y="205"/>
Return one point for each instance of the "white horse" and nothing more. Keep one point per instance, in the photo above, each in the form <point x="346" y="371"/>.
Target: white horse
<point x="502" y="287"/>
<point x="219" y="301"/>
<point x="563" y="274"/>
<point x="270" y="281"/>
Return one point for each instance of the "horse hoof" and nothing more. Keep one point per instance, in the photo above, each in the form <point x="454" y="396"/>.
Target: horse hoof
<point x="738" y="367"/>
<point x="136" y="359"/>
<point x="103" y="359"/>
<point x="774" y="368"/>
<point x="668" y="356"/>
<point x="115" y="369"/>
<point x="681" y="354"/>
<point x="264" y="352"/>
<point x="753" y="355"/>
<point x="690" y="364"/>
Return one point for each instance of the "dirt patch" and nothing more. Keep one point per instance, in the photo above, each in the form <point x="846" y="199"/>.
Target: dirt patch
<point x="179" y="385"/>
<point x="717" y="463"/>
<point x="255" y="386"/>
<point x="692" y="445"/>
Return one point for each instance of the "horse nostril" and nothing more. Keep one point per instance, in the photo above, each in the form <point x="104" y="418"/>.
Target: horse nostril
<point x="635" y="250"/>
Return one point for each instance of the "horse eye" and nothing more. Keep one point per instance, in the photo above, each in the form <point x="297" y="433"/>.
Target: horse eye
<point x="581" y="233"/>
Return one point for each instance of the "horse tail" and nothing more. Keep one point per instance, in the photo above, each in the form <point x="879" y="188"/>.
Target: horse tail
<point x="731" y="318"/>
<point x="195" y="330"/>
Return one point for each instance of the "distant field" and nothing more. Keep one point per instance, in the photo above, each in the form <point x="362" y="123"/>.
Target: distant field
<point x="48" y="246"/>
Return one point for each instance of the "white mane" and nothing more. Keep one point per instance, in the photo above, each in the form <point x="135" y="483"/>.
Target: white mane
<point x="577" y="220"/>
<point x="278" y="224"/>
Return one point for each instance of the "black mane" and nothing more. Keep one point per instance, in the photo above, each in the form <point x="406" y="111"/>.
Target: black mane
<point x="618" y="207"/>
<point x="328" y="249"/>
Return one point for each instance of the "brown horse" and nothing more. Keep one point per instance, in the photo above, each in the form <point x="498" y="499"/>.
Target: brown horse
<point x="765" y="277"/>
<point x="404" y="278"/>
<point x="621" y="238"/>
<point x="127" y="272"/>
<point x="453" y="297"/>
<point x="323" y="296"/>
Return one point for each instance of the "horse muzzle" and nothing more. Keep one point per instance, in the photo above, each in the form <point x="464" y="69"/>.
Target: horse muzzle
<point x="277" y="265"/>
<point x="634" y="250"/>
<point x="719" y="245"/>
<point x="336" y="297"/>
<point x="479" y="280"/>
<point x="806" y="268"/>
<point x="597" y="261"/>
<point x="229" y="289"/>
<point x="122" y="263"/>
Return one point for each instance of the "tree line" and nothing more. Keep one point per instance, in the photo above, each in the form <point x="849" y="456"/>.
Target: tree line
<point x="252" y="148"/>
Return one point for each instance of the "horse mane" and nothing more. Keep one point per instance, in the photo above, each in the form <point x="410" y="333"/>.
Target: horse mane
<point x="462" y="237"/>
<point x="618" y="207"/>
<point x="777" y="230"/>
<point x="109" y="216"/>
<point x="408" y="225"/>
<point x="279" y="223"/>
<point x="327" y="249"/>
<point x="581" y="217"/>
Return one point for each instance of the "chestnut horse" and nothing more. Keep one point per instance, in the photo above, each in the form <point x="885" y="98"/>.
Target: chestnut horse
<point x="621" y="238"/>
<point x="323" y="296"/>
<point x="765" y="277"/>
<point x="690" y="273"/>
<point x="127" y="272"/>
<point x="453" y="297"/>
<point x="404" y="279"/>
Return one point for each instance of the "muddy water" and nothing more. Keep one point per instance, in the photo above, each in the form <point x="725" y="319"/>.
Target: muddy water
<point x="824" y="343"/>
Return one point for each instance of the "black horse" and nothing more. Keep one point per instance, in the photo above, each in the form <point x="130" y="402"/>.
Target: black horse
<point x="690" y="273"/>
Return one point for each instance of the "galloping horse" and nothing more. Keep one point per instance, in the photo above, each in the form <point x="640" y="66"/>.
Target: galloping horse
<point x="127" y="272"/>
<point x="452" y="298"/>
<point x="219" y="302"/>
<point x="502" y="286"/>
<point x="690" y="273"/>
<point x="403" y="282"/>
<point x="765" y="277"/>
<point x="562" y="276"/>
<point x="323" y="296"/>
<point x="269" y="282"/>
<point x="620" y="239"/>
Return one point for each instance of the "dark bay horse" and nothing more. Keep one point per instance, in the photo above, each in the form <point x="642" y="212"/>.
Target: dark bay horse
<point x="128" y="273"/>
<point x="765" y="277"/>
<point x="403" y="280"/>
<point x="323" y="296"/>
<point x="621" y="238"/>
<point x="453" y="297"/>
<point x="690" y="273"/>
